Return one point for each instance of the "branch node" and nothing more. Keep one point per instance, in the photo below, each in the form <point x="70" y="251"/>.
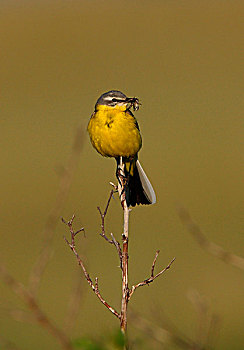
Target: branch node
<point x="114" y="186"/>
<point x="93" y="286"/>
<point x="150" y="279"/>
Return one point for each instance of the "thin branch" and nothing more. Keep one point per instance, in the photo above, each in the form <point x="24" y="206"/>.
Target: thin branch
<point x="154" y="262"/>
<point x="53" y="217"/>
<point x="207" y="245"/>
<point x="103" y="215"/>
<point x="93" y="286"/>
<point x="33" y="306"/>
<point x="125" y="249"/>
<point x="152" y="277"/>
<point x="103" y="233"/>
<point x="117" y="245"/>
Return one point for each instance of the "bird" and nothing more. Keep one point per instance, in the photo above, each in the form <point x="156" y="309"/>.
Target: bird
<point x="114" y="132"/>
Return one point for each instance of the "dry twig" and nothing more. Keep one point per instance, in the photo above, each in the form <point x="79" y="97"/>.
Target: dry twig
<point x="93" y="286"/>
<point x="123" y="256"/>
<point x="152" y="277"/>
<point x="125" y="249"/>
<point x="123" y="253"/>
<point x="103" y="234"/>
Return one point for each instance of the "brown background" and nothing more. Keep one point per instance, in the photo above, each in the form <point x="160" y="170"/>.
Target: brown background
<point x="184" y="60"/>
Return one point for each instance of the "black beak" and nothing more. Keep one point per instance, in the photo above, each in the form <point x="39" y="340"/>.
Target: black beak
<point x="131" y="99"/>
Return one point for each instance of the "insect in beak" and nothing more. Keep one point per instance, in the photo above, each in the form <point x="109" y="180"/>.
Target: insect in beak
<point x="133" y="102"/>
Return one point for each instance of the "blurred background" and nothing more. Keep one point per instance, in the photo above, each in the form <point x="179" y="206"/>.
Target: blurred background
<point x="184" y="60"/>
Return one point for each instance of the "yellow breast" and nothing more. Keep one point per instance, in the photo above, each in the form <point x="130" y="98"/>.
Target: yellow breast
<point x="114" y="132"/>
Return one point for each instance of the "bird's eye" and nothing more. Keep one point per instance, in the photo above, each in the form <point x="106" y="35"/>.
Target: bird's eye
<point x="114" y="100"/>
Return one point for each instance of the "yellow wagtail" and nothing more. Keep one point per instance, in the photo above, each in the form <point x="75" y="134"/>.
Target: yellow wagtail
<point x="114" y="132"/>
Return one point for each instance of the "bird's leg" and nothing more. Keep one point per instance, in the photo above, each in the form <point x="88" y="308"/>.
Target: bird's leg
<point x="120" y="174"/>
<point x="122" y="179"/>
<point x="121" y="182"/>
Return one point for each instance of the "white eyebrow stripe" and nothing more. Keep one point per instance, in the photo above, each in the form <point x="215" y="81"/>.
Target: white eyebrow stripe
<point x="109" y="98"/>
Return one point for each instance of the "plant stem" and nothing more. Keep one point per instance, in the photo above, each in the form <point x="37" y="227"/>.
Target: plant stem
<point x="125" y="288"/>
<point x="125" y="241"/>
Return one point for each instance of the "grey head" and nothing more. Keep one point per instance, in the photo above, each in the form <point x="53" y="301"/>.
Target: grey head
<point x="112" y="98"/>
<point x="117" y="98"/>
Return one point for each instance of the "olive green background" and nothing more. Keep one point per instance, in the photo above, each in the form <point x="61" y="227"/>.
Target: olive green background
<point x="184" y="60"/>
